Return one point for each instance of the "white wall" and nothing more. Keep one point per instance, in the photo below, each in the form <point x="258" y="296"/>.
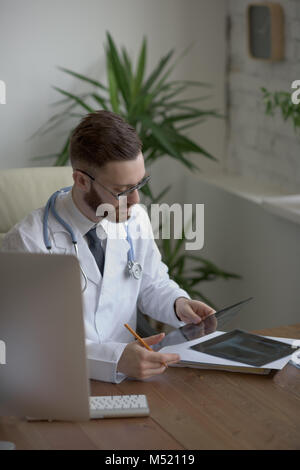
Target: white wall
<point x="38" y="35"/>
<point x="241" y="237"/>
<point x="262" y="147"/>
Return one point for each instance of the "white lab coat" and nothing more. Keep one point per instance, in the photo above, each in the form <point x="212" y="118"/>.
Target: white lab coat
<point x="112" y="301"/>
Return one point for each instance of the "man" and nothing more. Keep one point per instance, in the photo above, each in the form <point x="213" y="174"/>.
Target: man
<point x="106" y="156"/>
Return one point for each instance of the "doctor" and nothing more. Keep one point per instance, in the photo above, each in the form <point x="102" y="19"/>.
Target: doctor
<point x="107" y="161"/>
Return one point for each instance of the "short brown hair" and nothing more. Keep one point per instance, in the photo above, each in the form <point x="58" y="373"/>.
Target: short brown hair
<point x="101" y="137"/>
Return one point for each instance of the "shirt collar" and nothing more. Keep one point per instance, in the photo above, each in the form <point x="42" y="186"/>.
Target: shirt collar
<point x="82" y="224"/>
<point x="77" y="218"/>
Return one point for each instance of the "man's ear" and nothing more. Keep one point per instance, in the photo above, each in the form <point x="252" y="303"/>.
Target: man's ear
<point x="81" y="181"/>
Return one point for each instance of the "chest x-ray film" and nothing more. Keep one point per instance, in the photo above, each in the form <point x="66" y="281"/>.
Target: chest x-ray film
<point x="240" y="346"/>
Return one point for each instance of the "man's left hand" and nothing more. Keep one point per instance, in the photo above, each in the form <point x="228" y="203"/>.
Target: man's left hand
<point x="192" y="311"/>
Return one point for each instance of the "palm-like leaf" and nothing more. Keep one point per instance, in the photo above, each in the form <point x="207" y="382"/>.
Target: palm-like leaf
<point x="118" y="70"/>
<point x="83" y="78"/>
<point x="75" y="98"/>
<point x="139" y="76"/>
<point x="112" y="86"/>
<point x="146" y="103"/>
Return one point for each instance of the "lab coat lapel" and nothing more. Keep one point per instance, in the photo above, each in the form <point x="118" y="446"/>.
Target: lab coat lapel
<point x="87" y="260"/>
<point x="116" y="251"/>
<point x="63" y="242"/>
<point x="114" y="297"/>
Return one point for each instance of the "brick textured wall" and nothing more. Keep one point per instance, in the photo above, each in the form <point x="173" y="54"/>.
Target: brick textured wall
<point x="262" y="147"/>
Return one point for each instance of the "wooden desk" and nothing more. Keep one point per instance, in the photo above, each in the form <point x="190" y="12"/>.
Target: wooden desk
<point x="189" y="409"/>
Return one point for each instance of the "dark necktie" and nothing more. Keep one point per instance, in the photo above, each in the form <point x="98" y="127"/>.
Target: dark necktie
<point x="96" y="248"/>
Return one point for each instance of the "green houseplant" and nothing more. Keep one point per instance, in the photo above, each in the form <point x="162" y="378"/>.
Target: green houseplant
<point x="282" y="100"/>
<point x="154" y="106"/>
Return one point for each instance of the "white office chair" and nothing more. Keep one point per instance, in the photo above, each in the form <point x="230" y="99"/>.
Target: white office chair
<point x="24" y="189"/>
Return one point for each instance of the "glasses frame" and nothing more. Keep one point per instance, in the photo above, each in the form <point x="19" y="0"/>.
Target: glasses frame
<point x="117" y="196"/>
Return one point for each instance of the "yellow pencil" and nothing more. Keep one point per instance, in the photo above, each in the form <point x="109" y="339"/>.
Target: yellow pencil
<point x="143" y="343"/>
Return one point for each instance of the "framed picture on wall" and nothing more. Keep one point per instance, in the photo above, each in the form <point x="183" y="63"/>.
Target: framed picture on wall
<point x="265" y="31"/>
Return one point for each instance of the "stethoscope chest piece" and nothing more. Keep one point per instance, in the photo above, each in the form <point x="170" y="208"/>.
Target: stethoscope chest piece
<point x="135" y="269"/>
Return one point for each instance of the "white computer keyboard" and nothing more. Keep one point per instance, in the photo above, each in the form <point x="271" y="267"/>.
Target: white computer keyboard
<point x="118" y="406"/>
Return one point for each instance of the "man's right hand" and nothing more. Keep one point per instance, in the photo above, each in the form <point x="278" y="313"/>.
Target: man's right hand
<point x="137" y="362"/>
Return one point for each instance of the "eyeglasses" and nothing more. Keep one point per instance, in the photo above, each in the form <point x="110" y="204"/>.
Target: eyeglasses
<point x="117" y="196"/>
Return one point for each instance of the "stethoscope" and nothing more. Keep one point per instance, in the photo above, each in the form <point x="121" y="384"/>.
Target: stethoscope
<point x="134" y="268"/>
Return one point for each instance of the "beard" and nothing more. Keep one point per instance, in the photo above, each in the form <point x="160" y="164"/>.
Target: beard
<point x="93" y="201"/>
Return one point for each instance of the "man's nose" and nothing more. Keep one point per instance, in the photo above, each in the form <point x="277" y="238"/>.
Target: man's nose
<point x="133" y="197"/>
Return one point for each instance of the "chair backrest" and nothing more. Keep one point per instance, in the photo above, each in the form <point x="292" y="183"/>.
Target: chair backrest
<point x="24" y="189"/>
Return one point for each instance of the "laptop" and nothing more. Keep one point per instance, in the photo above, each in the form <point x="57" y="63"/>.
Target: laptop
<point x="45" y="373"/>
